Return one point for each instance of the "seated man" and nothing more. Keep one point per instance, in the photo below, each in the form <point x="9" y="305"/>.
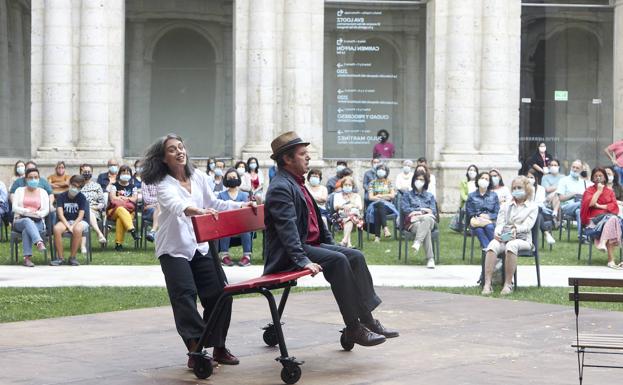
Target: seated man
<point x="296" y="238"/>
<point x="570" y="190"/>
<point x="71" y="211"/>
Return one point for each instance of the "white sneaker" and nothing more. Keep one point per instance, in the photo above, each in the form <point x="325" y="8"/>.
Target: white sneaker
<point x="431" y="263"/>
<point x="83" y="249"/>
<point x="549" y="239"/>
<point x="416" y="246"/>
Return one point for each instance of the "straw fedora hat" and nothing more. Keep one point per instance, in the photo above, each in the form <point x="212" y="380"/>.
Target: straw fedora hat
<point x="284" y="142"/>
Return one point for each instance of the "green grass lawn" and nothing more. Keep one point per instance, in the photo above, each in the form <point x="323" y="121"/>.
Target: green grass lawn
<point x="384" y="253"/>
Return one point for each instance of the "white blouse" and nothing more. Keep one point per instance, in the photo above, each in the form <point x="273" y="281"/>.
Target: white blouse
<point x="176" y="236"/>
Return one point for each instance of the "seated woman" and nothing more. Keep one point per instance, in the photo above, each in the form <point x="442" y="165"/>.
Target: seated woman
<point x="92" y="191"/>
<point x="599" y="212"/>
<point x="466" y="187"/>
<point x="550" y="184"/>
<point x="381" y="194"/>
<point x="216" y="183"/>
<point x="513" y="232"/>
<point x="545" y="213"/>
<point x="482" y="209"/>
<point x="18" y="171"/>
<point x="243" y="172"/>
<point x="256" y="178"/>
<point x="59" y="180"/>
<point x="31" y="205"/>
<point x="122" y="205"/>
<point x="419" y="211"/>
<point x="613" y="183"/>
<point x="211" y="166"/>
<point x="432" y="186"/>
<point x="318" y="192"/>
<point x="349" y="208"/>
<point x="497" y="182"/>
<point x="403" y="179"/>
<point x="72" y="209"/>
<point x="232" y="181"/>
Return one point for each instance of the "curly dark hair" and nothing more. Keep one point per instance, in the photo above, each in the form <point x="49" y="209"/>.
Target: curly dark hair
<point x="154" y="168"/>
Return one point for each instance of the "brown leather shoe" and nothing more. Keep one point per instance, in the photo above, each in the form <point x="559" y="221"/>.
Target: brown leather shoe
<point x="377" y="328"/>
<point x="363" y="336"/>
<point x="224" y="356"/>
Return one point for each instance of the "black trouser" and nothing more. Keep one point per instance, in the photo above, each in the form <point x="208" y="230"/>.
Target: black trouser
<point x="380" y="218"/>
<point x="187" y="279"/>
<point x="351" y="282"/>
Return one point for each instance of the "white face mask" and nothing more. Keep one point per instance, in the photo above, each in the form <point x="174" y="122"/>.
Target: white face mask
<point x="495" y="180"/>
<point x="241" y="171"/>
<point x="381" y="173"/>
<point x="554" y="169"/>
<point x="483" y="183"/>
<point x="610" y="178"/>
<point x="406" y="169"/>
<point x="472" y="174"/>
<point x="418" y="184"/>
<point x="314" y="181"/>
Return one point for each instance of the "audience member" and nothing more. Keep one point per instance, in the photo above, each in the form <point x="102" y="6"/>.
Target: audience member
<point x="550" y="184"/>
<point x="343" y="174"/>
<point x="122" y="206"/>
<point x="31" y="205"/>
<point x="432" y="185"/>
<point x="216" y="182"/>
<point x="256" y="178"/>
<point x="94" y="195"/>
<point x="272" y="171"/>
<point x="570" y="190"/>
<point x="18" y="171"/>
<point x="539" y="160"/>
<point x="482" y="208"/>
<point x="211" y="165"/>
<point x="545" y="213"/>
<point x="243" y="172"/>
<point x="381" y="194"/>
<point x="513" y="232"/>
<point x="384" y="149"/>
<point x="43" y="183"/>
<point x="71" y="211"/>
<point x="497" y="182"/>
<point x="419" y="211"/>
<point x="404" y="178"/>
<point x="369" y="176"/>
<point x="468" y="185"/>
<point x="108" y="178"/>
<point x="151" y="209"/>
<point x="615" y="154"/>
<point x="613" y="183"/>
<point x="349" y="209"/>
<point x="137" y="179"/>
<point x="232" y="182"/>
<point x="59" y="180"/>
<point x="341" y="165"/>
<point x="4" y="203"/>
<point x="599" y="213"/>
<point x="318" y="192"/>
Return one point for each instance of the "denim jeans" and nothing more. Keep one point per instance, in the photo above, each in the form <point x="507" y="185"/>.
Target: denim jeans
<point x="484" y="234"/>
<point x="573" y="208"/>
<point x="30" y="231"/>
<point x="619" y="171"/>
<point x="245" y="239"/>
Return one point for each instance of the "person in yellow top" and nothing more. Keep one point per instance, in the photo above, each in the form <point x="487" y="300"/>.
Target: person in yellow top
<point x="59" y="180"/>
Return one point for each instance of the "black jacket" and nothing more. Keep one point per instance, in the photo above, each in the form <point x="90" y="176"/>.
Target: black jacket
<point x="285" y="218"/>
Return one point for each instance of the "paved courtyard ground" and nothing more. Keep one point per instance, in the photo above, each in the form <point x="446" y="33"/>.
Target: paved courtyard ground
<point x="445" y="339"/>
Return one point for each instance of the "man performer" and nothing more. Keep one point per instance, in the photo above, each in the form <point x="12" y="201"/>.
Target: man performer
<point x="296" y="238"/>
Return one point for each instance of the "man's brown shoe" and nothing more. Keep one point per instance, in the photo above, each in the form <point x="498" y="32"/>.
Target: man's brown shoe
<point x="363" y="336"/>
<point x="377" y="328"/>
<point x="224" y="356"/>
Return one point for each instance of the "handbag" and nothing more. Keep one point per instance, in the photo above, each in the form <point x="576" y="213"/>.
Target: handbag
<point x="479" y="222"/>
<point x="456" y="224"/>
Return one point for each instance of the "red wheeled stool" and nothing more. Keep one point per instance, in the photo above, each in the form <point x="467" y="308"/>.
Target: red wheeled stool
<point x="230" y="223"/>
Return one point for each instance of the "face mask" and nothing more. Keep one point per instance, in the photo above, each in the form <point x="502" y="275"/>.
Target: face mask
<point x="406" y="169"/>
<point x="472" y="174"/>
<point x="347" y="189"/>
<point x="495" y="180"/>
<point x="87" y="175"/>
<point x="73" y="191"/>
<point x="340" y="167"/>
<point x="139" y="170"/>
<point x="554" y="169"/>
<point x="241" y="171"/>
<point x="483" y="183"/>
<point x="383" y="139"/>
<point x="610" y="178"/>
<point x="218" y="172"/>
<point x="573" y="174"/>
<point x="418" y="184"/>
<point x="519" y="194"/>
<point x="20" y="170"/>
<point x="542" y="148"/>
<point x="32" y="183"/>
<point x="125" y="177"/>
<point x="314" y="181"/>
<point x="113" y="169"/>
<point x="212" y="165"/>
<point x="231" y="182"/>
<point x="252" y="166"/>
<point x="381" y="173"/>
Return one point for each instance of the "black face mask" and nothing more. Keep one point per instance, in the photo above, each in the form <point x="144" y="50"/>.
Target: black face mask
<point x="87" y="175"/>
<point x="383" y="138"/>
<point x="231" y="182"/>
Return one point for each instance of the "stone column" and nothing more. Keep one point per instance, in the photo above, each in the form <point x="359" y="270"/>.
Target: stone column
<point x="618" y="70"/>
<point x="115" y="14"/>
<point x="57" y="81"/>
<point x="138" y="112"/>
<point x="18" y="81"/>
<point x="93" y="113"/>
<point x="261" y="78"/>
<point x="297" y="68"/>
<point x="5" y="84"/>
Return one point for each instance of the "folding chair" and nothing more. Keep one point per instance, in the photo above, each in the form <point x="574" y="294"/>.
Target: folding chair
<point x="467" y="232"/>
<point x="16" y="238"/>
<point x="408" y="236"/>
<point x="229" y="223"/>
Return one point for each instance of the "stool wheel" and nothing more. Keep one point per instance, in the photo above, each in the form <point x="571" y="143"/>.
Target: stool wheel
<point x="290" y="373"/>
<point x="346" y="344"/>
<point x="202" y="367"/>
<point x="270" y="336"/>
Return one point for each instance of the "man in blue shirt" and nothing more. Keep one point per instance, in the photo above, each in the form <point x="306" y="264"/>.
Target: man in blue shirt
<point x="570" y="190"/>
<point x="72" y="209"/>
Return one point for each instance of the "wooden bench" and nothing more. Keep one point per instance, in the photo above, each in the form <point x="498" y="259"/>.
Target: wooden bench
<point x="594" y="343"/>
<point x="230" y="223"/>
